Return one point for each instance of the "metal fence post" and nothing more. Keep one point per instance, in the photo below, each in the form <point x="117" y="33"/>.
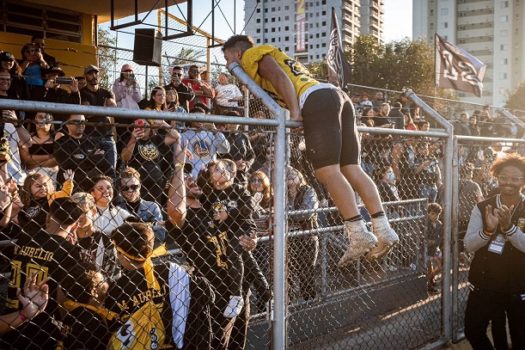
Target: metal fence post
<point x="279" y="260"/>
<point x="454" y="234"/>
<point x="447" y="324"/>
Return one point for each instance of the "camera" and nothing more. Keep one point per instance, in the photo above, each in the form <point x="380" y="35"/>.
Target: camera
<point x="64" y="80"/>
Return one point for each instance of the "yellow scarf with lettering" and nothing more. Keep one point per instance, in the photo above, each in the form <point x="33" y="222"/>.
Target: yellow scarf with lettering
<point x="148" y="268"/>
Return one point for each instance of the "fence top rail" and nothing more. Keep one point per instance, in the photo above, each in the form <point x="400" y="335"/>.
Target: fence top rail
<point x="38" y="106"/>
<point x="488" y="139"/>
<point x="378" y="130"/>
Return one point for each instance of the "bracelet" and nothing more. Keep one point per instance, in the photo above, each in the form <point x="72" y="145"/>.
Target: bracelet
<point x="23" y="318"/>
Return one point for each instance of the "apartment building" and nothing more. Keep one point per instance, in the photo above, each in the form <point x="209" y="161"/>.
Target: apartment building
<point x="301" y="28"/>
<point x="491" y="30"/>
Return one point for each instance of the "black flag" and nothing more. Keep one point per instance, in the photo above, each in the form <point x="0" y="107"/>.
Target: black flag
<point x="457" y="69"/>
<point x="339" y="69"/>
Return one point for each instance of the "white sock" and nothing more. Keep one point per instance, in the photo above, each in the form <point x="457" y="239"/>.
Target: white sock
<point x="381" y="222"/>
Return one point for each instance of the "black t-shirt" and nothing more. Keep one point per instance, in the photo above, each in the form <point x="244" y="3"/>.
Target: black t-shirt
<point x="97" y="98"/>
<point x="33" y="216"/>
<point x="79" y="154"/>
<point x="99" y="250"/>
<point x="50" y="256"/>
<point x="85" y="329"/>
<point x="209" y="248"/>
<point x="152" y="158"/>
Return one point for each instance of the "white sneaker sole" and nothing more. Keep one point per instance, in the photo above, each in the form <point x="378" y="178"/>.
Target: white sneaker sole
<point x="348" y="258"/>
<point x="382" y="249"/>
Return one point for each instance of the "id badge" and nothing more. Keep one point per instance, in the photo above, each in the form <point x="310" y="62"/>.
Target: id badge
<point x="497" y="245"/>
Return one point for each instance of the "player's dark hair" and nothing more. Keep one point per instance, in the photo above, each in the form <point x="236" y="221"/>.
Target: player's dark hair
<point x="241" y="42"/>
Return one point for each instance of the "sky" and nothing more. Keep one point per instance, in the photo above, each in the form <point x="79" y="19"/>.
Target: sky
<point x="398" y="19"/>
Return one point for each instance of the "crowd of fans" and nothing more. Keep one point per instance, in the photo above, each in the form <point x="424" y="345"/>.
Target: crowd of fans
<point x="90" y="199"/>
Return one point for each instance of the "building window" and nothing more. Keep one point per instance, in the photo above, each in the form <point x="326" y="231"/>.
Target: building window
<point x="287" y="7"/>
<point x="445" y="24"/>
<point x="286" y="28"/>
<point x="323" y="45"/>
<point x="504" y="4"/>
<point x="273" y="30"/>
<point x="286" y="18"/>
<point x="323" y="2"/>
<point x="287" y="48"/>
<point x="323" y="23"/>
<point x="505" y="61"/>
<point x="258" y="41"/>
<point x="503" y="76"/>
<point x="323" y="34"/>
<point x="273" y="19"/>
<point x="258" y="20"/>
<point x="273" y="40"/>
<point x="502" y="47"/>
<point x="286" y="38"/>
<point x="266" y="20"/>
<point x="266" y="30"/>
<point x="323" y="13"/>
<point x="443" y="12"/>
<point x="258" y="30"/>
<point x="258" y="10"/>
<point x="504" y="19"/>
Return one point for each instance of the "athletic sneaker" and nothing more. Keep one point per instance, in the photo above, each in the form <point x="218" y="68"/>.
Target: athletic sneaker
<point x="361" y="241"/>
<point x="386" y="237"/>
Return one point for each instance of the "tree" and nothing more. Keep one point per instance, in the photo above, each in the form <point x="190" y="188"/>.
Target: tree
<point x="394" y="66"/>
<point x="107" y="57"/>
<point x="187" y="56"/>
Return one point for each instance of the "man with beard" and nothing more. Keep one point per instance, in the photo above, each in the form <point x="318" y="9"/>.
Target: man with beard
<point x="203" y="91"/>
<point x="203" y="248"/>
<point x="495" y="235"/>
<point x="76" y="150"/>
<point x="93" y="95"/>
<point x="186" y="94"/>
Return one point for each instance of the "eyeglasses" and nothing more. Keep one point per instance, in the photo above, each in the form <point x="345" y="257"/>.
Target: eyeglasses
<point x="505" y="178"/>
<point x="132" y="188"/>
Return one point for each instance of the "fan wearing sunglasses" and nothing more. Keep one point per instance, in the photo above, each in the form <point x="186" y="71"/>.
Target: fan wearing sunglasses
<point x="186" y="93"/>
<point x="146" y="211"/>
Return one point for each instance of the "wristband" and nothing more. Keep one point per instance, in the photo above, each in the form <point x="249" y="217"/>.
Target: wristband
<point x="23" y="318"/>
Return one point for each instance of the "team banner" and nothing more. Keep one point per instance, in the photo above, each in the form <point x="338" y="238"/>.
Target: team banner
<point x="339" y="69"/>
<point x="457" y="69"/>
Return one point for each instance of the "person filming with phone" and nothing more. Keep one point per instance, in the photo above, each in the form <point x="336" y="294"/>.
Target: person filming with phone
<point x="59" y="88"/>
<point x="126" y="90"/>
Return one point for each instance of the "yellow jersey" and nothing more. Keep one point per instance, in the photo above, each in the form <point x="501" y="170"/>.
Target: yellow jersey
<point x="298" y="74"/>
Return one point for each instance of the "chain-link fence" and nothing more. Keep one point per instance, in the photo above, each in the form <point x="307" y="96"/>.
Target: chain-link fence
<point x="475" y="183"/>
<point x="186" y="193"/>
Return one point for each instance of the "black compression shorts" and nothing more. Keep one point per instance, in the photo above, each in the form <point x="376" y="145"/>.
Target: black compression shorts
<point x="330" y="129"/>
